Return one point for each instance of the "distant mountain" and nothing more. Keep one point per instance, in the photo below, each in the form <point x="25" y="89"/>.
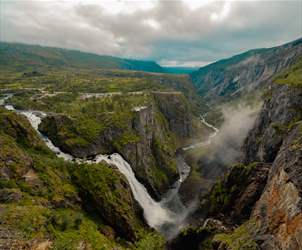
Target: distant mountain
<point x="179" y="70"/>
<point x="244" y="72"/>
<point x="149" y="66"/>
<point x="23" y="57"/>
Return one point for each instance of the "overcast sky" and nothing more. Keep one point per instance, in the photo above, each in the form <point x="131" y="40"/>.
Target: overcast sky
<point x="184" y="33"/>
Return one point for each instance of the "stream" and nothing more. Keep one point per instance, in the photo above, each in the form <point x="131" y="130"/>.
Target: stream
<point x="166" y="216"/>
<point x="208" y="141"/>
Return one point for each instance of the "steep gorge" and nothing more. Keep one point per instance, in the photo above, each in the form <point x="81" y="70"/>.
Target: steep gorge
<point x="257" y="203"/>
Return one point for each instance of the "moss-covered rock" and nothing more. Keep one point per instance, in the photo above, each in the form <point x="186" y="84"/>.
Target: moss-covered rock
<point x="241" y="238"/>
<point x="108" y="192"/>
<point x="17" y="127"/>
<point x="141" y="134"/>
<point x="198" y="237"/>
<point x="40" y="201"/>
<point x="233" y="200"/>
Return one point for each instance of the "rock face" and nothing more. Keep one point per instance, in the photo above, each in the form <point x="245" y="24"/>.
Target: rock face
<point x="242" y="73"/>
<point x="107" y="191"/>
<point x="263" y="194"/>
<point x="279" y="211"/>
<point x="176" y="110"/>
<point x="41" y="193"/>
<point x="281" y="109"/>
<point x="235" y="195"/>
<point x="147" y="141"/>
<point x="152" y="157"/>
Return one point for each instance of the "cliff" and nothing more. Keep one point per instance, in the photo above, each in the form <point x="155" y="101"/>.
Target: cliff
<point x="243" y="73"/>
<point x="257" y="204"/>
<point x="278" y="212"/>
<point x="146" y="135"/>
<point x="46" y="202"/>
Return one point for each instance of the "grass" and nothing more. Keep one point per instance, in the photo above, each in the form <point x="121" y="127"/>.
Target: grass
<point x="291" y="76"/>
<point x="52" y="209"/>
<point x="240" y="239"/>
<point x="222" y="195"/>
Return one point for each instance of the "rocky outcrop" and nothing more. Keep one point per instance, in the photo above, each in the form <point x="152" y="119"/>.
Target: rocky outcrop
<point x="177" y="112"/>
<point x="152" y="157"/>
<point x="18" y="127"/>
<point x="281" y="109"/>
<point x="279" y="211"/>
<point x="106" y="191"/>
<point x="147" y="140"/>
<point x="265" y="191"/>
<point x="233" y="197"/>
<point x="63" y="132"/>
<point x="245" y="72"/>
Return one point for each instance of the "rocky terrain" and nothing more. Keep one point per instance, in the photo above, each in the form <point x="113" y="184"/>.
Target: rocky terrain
<point x="236" y="76"/>
<point x="147" y="137"/>
<point x="257" y="204"/>
<point x="48" y="202"/>
<point x="227" y="188"/>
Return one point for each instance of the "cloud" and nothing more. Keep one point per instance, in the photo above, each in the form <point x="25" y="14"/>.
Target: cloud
<point x="173" y="32"/>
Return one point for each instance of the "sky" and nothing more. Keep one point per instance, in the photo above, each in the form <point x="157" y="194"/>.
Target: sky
<point x="171" y="32"/>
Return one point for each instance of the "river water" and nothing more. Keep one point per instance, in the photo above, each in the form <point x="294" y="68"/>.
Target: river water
<point x="166" y="216"/>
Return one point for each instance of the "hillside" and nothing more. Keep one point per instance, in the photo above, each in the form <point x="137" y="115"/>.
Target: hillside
<point x="244" y="73"/>
<point x="257" y="203"/>
<point x="33" y="57"/>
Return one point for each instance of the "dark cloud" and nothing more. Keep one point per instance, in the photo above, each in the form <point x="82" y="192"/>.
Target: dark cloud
<point x="166" y="31"/>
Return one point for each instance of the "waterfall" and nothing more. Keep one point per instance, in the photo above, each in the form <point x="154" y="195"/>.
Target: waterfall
<point x="168" y="215"/>
<point x="155" y="213"/>
<point x="35" y="118"/>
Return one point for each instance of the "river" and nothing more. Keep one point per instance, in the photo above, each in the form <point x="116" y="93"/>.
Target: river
<point x="166" y="216"/>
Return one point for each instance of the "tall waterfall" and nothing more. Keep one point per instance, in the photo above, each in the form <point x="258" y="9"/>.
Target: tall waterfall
<point x="166" y="216"/>
<point x="156" y="214"/>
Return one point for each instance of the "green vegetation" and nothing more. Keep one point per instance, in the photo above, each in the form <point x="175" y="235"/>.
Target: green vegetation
<point x="79" y="123"/>
<point x="31" y="57"/>
<point x="291" y="76"/>
<point x="240" y="239"/>
<point x="40" y="196"/>
<point x="224" y="190"/>
<point x="85" y="120"/>
<point x="150" y="241"/>
<point x="108" y="189"/>
<point x="44" y="196"/>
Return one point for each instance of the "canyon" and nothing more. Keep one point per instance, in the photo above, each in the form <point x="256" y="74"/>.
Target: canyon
<point x="110" y="158"/>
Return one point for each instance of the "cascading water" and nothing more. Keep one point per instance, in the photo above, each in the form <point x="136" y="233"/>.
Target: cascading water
<point x="34" y="117"/>
<point x="155" y="214"/>
<point x="167" y="216"/>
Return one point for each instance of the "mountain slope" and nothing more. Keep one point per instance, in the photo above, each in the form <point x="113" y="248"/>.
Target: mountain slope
<point x="257" y="204"/>
<point x="244" y="72"/>
<point x="21" y="56"/>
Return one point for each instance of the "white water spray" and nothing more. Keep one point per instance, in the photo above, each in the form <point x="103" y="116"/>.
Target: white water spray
<point x="154" y="212"/>
<point x="168" y="215"/>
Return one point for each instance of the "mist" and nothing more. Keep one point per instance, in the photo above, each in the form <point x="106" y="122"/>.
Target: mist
<point x="238" y="121"/>
<point x="225" y="148"/>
